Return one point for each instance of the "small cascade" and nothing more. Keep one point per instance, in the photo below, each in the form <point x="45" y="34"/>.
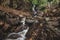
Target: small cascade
<point x="23" y="21"/>
<point x="34" y="10"/>
<point x="19" y="35"/>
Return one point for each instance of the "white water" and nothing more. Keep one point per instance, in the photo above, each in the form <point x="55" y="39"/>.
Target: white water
<point x="23" y="21"/>
<point x="33" y="9"/>
<point x="22" y="34"/>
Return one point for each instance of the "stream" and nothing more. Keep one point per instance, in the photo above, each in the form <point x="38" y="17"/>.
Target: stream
<point x="19" y="35"/>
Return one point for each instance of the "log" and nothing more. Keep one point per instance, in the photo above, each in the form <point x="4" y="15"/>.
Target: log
<point x="14" y="11"/>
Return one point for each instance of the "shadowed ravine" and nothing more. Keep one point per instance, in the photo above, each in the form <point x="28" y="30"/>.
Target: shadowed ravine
<point x="20" y="20"/>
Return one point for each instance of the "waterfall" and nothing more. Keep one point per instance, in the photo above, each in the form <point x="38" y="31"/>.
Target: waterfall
<point x="21" y="35"/>
<point x="23" y="21"/>
<point x="34" y="10"/>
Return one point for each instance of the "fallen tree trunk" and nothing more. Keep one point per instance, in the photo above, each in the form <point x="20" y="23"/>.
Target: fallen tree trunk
<point x="13" y="11"/>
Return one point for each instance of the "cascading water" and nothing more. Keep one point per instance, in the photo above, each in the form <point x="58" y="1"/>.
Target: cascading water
<point x="23" y="21"/>
<point x="19" y="35"/>
<point x="34" y="10"/>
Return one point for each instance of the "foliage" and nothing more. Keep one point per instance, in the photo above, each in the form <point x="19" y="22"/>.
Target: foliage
<point x="43" y="3"/>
